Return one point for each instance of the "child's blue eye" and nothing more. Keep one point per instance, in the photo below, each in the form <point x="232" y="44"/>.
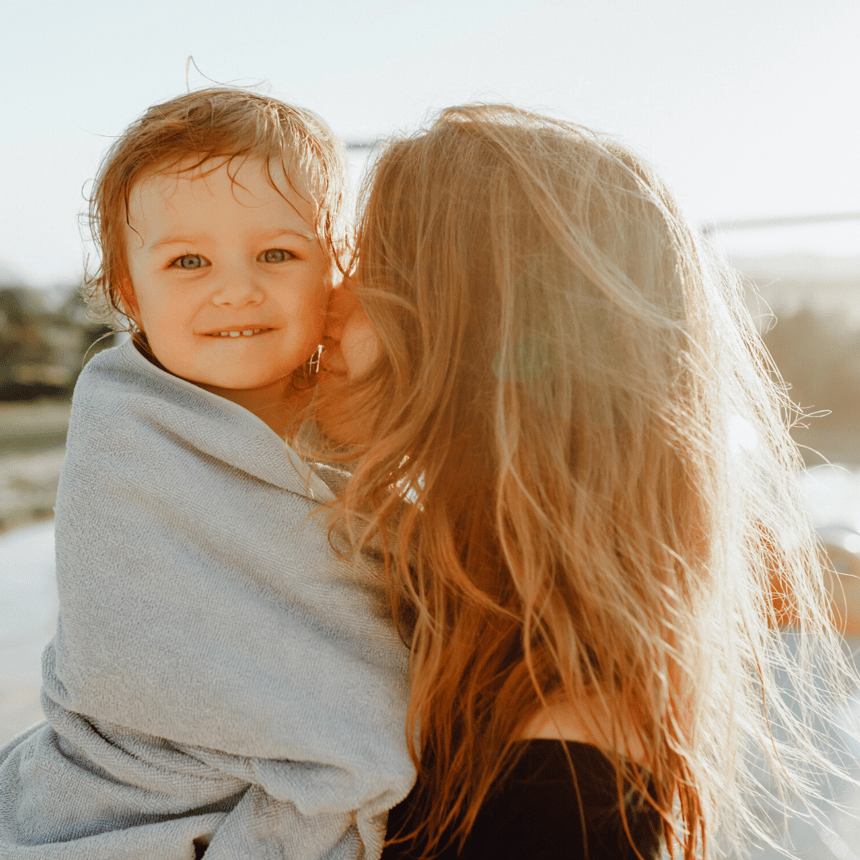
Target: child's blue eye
<point x="189" y="261"/>
<point x="276" y="255"/>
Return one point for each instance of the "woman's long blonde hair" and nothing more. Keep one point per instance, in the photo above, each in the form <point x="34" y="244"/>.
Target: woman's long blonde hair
<point x="593" y="445"/>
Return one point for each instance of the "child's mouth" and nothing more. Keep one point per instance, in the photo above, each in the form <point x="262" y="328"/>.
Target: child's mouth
<point x="248" y="332"/>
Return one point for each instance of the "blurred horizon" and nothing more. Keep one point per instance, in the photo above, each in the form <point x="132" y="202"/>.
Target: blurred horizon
<point x="813" y="248"/>
<point x="745" y="109"/>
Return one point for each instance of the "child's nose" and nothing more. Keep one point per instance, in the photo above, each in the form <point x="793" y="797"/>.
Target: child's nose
<point x="238" y="289"/>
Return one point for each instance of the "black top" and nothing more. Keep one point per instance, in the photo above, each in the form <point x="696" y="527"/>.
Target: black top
<point x="534" y="813"/>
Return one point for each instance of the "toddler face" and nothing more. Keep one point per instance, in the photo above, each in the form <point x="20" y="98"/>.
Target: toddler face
<point x="227" y="278"/>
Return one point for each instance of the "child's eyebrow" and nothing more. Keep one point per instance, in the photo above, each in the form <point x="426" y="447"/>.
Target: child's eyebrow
<point x="176" y="240"/>
<point x="301" y="234"/>
<point x="268" y="235"/>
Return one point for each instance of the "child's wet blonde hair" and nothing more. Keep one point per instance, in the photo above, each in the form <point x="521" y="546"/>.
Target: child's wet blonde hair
<point x="575" y="397"/>
<point x="217" y="123"/>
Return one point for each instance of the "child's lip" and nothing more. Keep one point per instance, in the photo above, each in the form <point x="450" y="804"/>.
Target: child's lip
<point x="238" y="331"/>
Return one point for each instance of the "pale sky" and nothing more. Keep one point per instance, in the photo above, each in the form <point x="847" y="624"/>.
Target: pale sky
<point x="748" y="107"/>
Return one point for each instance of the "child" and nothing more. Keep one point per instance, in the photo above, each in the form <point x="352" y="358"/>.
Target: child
<point x="220" y="680"/>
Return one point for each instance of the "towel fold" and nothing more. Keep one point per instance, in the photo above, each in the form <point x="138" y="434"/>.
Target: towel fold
<point x="219" y="674"/>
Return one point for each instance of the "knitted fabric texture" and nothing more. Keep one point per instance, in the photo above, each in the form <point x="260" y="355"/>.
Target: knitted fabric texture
<point x="219" y="675"/>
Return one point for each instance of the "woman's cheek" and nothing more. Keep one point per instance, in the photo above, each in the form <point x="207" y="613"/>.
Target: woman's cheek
<point x="359" y="344"/>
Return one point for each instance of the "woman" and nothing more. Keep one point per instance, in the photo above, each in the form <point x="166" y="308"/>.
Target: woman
<point x="572" y="452"/>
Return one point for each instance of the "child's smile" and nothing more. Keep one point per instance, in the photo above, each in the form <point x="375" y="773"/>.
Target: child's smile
<point x="227" y="278"/>
<point x="231" y="333"/>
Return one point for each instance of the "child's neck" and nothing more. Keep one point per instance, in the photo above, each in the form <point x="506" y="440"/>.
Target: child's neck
<point x="278" y="408"/>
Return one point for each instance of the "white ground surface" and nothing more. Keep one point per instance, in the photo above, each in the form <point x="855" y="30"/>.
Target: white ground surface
<point x="28" y="611"/>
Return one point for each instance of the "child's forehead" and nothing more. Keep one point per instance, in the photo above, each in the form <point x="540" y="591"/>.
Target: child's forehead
<point x="204" y="194"/>
<point x="243" y="173"/>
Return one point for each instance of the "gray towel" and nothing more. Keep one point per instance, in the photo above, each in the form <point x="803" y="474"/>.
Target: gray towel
<point x="219" y="675"/>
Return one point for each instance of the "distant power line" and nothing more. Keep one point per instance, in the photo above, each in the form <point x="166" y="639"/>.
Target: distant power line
<point x="781" y="221"/>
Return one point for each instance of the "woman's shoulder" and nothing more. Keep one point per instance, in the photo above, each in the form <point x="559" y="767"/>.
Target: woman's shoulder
<point x="588" y="724"/>
<point x="559" y="799"/>
<point x="560" y="796"/>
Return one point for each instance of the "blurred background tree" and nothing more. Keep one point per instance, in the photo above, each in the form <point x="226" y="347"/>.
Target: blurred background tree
<point x="44" y="344"/>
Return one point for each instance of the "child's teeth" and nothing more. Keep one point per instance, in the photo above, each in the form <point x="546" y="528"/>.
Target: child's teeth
<point x="235" y="333"/>
<point x="248" y="333"/>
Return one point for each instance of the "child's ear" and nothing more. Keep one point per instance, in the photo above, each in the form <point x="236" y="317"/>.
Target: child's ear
<point x="128" y="301"/>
